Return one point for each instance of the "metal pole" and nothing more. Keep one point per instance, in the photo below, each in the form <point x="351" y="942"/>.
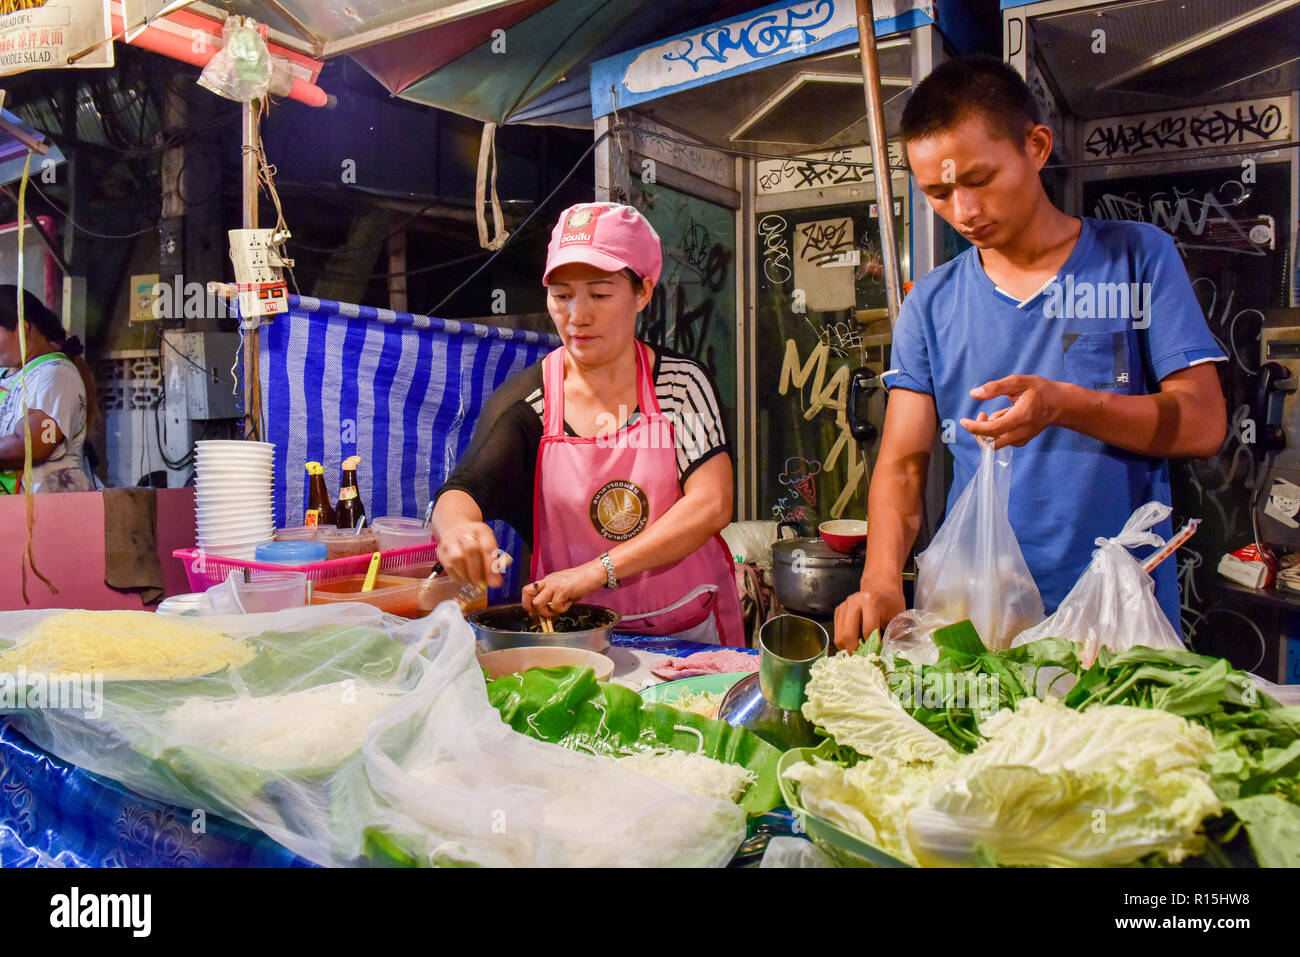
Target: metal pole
<point x="879" y="158"/>
<point x="249" y="205"/>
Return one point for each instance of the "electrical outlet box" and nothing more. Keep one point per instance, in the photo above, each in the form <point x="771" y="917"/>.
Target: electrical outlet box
<point x="257" y="260"/>
<point x="200" y="362"/>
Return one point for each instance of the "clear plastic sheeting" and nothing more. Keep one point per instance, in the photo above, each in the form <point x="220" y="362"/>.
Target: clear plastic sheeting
<point x="355" y="738"/>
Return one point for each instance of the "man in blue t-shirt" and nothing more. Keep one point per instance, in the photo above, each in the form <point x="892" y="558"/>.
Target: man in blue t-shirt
<point x="1078" y="341"/>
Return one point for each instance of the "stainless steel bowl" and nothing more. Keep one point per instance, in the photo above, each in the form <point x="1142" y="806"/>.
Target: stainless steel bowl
<point x="508" y="626"/>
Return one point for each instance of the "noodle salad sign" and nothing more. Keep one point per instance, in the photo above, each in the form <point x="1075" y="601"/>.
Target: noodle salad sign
<point x="42" y="34"/>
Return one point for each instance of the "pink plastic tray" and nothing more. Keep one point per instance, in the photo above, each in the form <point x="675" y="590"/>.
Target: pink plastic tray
<point x="205" y="569"/>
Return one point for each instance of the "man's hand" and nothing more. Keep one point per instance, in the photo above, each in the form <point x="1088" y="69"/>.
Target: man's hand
<point x="864" y="612"/>
<point x="1036" y="404"/>
<point x="556" y="592"/>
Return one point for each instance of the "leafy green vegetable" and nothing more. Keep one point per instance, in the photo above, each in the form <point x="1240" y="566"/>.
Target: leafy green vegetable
<point x="1273" y="827"/>
<point x="569" y="707"/>
<point x="849" y="697"/>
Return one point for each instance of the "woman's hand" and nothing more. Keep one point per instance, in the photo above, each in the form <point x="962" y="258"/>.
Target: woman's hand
<point x="556" y="592"/>
<point x="466" y="553"/>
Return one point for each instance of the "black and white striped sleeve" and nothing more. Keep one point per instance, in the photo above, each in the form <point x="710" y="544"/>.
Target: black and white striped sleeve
<point x="688" y="397"/>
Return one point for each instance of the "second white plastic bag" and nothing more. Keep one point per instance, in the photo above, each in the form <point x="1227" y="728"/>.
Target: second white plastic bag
<point x="1113" y="604"/>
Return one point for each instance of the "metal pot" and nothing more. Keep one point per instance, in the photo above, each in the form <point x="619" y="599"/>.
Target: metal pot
<point x="811" y="578"/>
<point x="508" y="626"/>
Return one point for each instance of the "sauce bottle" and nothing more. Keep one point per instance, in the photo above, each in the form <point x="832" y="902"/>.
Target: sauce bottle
<point x="319" y="509"/>
<point x="350" y="508"/>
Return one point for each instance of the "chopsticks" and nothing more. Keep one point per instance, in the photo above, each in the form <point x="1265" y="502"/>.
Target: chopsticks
<point x="548" y="626"/>
<point x="1171" y="546"/>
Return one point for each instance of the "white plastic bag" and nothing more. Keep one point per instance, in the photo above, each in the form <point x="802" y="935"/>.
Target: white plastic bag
<point x="1113" y="604"/>
<point x="974" y="567"/>
<point x="241" y="70"/>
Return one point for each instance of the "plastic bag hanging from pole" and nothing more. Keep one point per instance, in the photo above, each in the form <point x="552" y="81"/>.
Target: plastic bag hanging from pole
<point x="241" y="70"/>
<point x="1113" y="604"/>
<point x="974" y="567"/>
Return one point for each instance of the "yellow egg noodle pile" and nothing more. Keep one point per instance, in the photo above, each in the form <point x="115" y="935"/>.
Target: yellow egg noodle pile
<point x="137" y="645"/>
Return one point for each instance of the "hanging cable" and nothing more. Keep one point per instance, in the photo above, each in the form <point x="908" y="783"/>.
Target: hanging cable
<point x="29" y="494"/>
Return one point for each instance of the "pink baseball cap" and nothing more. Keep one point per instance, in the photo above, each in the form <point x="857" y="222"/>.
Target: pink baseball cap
<point x="609" y="236"/>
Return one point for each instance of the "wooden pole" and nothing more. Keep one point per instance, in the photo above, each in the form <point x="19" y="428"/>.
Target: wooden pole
<point x="249" y="204"/>
<point x="879" y="157"/>
<point x="397" y="300"/>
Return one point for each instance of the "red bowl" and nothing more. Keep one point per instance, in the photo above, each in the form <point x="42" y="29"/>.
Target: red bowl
<point x="844" y="534"/>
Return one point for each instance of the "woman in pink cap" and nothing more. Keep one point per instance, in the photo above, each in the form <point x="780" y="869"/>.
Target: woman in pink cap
<point x="609" y="456"/>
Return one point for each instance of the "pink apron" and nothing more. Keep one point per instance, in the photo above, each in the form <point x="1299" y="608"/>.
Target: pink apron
<point x="590" y="494"/>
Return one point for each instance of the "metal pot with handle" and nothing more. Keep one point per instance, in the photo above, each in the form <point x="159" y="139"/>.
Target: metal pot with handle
<point x="811" y="578"/>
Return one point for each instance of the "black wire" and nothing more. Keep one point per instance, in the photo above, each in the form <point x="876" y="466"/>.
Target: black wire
<point x="355" y="246"/>
<point x="697" y="144"/>
<point x="163" y="339"/>
<point x="80" y="228"/>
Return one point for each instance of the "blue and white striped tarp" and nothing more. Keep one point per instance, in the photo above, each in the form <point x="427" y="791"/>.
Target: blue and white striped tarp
<point x="401" y="391"/>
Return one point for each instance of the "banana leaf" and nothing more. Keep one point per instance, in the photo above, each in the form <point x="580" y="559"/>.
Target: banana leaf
<point x="569" y="707"/>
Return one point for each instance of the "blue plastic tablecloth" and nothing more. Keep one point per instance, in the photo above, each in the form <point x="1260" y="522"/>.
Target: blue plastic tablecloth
<point x="54" y="813"/>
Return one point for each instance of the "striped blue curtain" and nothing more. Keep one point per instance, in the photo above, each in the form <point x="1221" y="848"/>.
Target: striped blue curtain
<point x="401" y="391"/>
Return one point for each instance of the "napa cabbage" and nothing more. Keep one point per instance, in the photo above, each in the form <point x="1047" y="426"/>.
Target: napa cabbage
<point x="849" y="698"/>
<point x="1105" y="786"/>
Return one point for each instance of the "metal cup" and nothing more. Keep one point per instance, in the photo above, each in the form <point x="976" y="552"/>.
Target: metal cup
<point x="788" y="646"/>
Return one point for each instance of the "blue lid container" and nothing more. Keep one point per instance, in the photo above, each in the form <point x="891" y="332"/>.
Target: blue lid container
<point x="291" y="553"/>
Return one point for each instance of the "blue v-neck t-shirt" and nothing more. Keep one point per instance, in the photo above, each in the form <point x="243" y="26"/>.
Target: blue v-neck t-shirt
<point x="1119" y="316"/>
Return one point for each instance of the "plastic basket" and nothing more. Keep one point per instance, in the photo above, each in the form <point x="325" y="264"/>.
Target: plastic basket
<point x="205" y="569"/>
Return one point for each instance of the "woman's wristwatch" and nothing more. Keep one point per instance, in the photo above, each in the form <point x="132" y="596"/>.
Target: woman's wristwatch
<point x="611" y="580"/>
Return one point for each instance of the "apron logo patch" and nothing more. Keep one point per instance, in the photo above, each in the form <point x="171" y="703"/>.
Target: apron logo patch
<point x="619" y="510"/>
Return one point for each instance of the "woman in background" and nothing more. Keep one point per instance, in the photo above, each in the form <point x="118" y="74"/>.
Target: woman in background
<point x="60" y="393"/>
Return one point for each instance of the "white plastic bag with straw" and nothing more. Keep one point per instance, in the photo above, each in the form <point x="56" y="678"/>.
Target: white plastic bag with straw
<point x="1113" y="604"/>
<point x="974" y="567"/>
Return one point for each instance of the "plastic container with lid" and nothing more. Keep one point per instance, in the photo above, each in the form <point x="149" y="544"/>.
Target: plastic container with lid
<point x="269" y="591"/>
<point x="299" y="533"/>
<point x="396" y="532"/>
<point x="345" y="542"/>
<point x="393" y="594"/>
<point x="292" y="552"/>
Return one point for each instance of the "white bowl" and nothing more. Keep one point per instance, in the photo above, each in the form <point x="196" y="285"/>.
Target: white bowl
<point x="225" y="472"/>
<point x="233" y="536"/>
<point x="211" y="530"/>
<point x="233" y="444"/>
<point x="258" y="518"/>
<point x="510" y="661"/>
<point x="242" y="552"/>
<point x="235" y="462"/>
<point x="231" y="533"/>
<point x="229" y="450"/>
